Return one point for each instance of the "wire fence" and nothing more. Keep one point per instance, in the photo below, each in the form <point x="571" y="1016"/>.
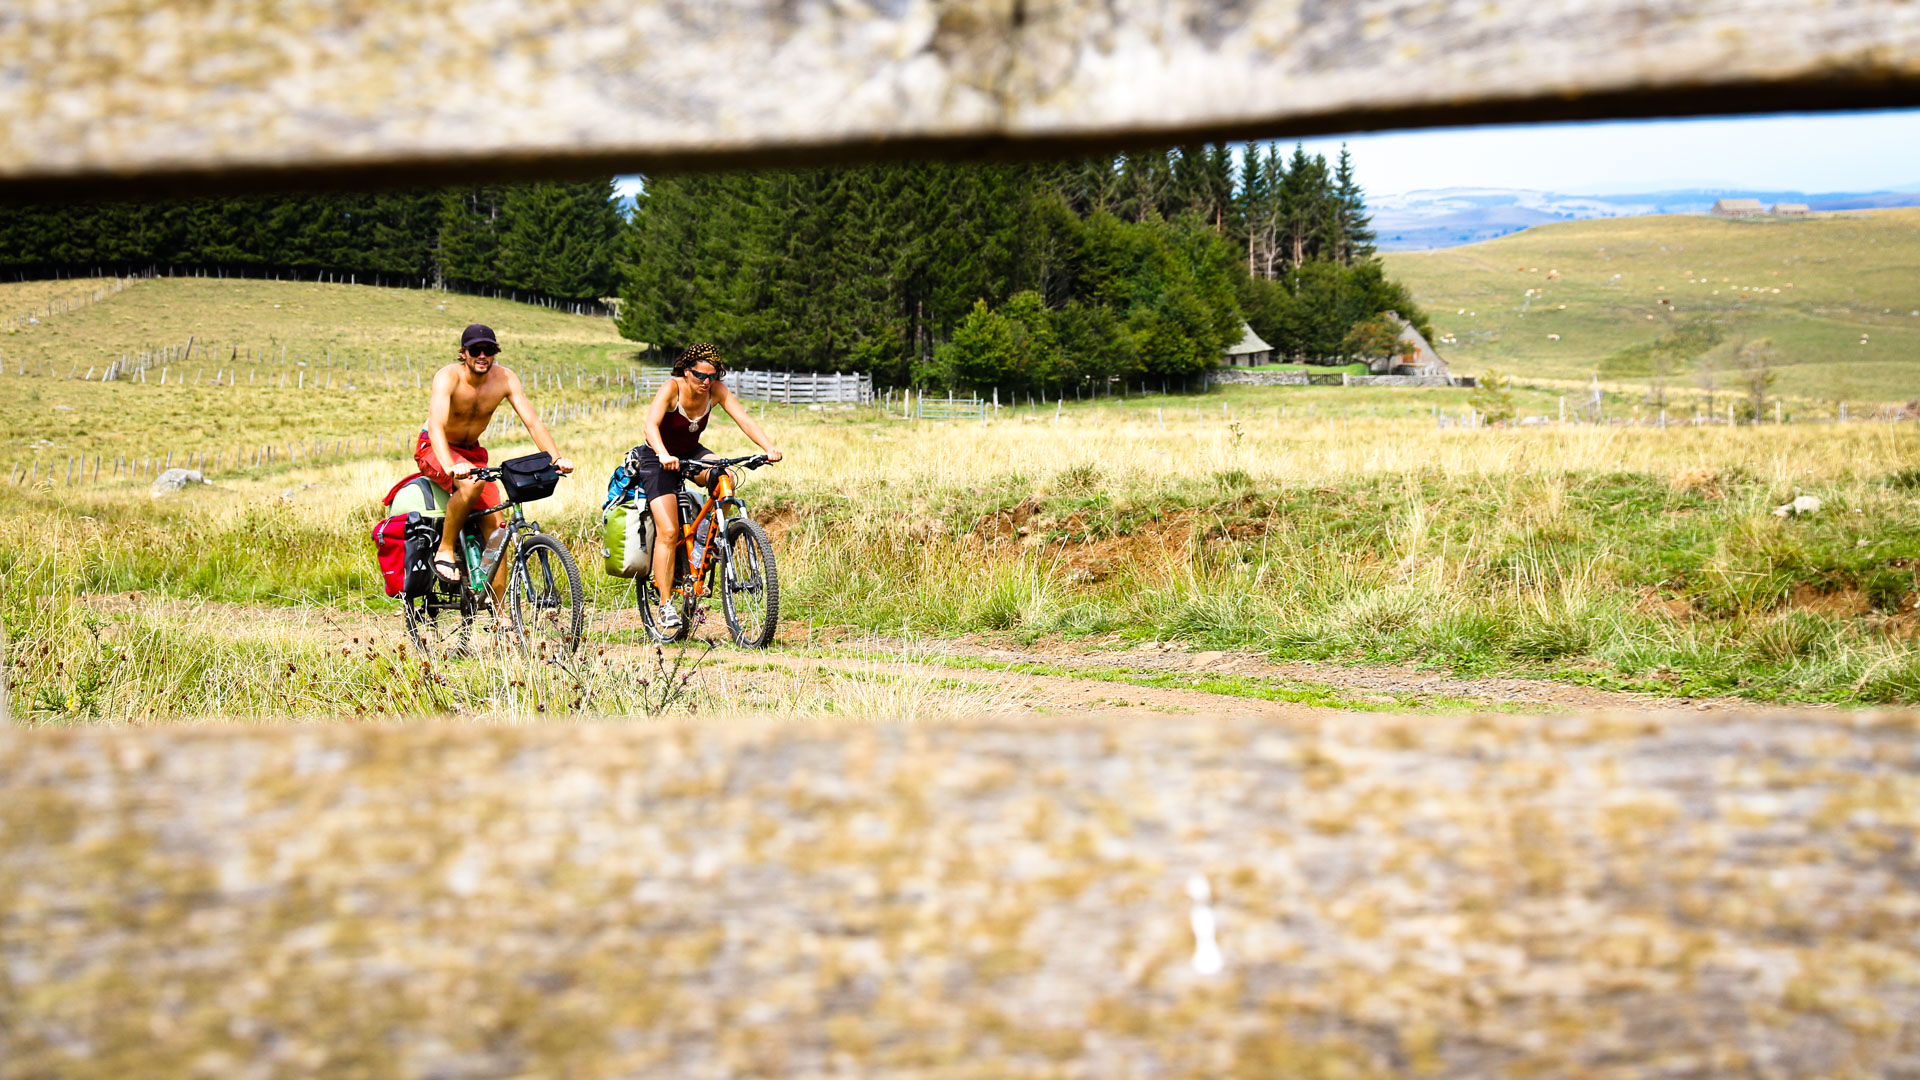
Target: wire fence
<point x="39" y="313"/>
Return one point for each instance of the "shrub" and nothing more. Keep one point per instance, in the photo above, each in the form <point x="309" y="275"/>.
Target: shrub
<point x="1492" y="398"/>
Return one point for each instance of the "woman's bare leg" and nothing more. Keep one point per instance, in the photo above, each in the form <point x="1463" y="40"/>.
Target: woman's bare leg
<point x="666" y="537"/>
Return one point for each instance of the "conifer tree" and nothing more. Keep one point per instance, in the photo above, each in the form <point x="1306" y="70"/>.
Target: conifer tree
<point x="1354" y="225"/>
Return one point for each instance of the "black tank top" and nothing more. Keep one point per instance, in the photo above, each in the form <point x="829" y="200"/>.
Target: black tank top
<point x="682" y="435"/>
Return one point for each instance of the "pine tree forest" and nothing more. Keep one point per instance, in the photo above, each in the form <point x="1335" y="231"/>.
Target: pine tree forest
<point x="1030" y="277"/>
<point x="543" y="241"/>
<point x="1135" y="268"/>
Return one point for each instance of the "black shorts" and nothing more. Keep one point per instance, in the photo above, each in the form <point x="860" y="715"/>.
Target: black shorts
<point x="656" y="481"/>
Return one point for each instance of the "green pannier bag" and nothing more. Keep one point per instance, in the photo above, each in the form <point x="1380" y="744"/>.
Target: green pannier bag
<point x="418" y="495"/>
<point x="626" y="539"/>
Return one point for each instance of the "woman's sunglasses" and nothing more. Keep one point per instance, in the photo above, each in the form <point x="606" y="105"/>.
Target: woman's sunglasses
<point x="705" y="376"/>
<point x="483" y="350"/>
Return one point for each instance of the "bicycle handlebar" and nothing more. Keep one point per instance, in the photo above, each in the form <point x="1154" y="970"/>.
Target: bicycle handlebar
<point x="751" y="461"/>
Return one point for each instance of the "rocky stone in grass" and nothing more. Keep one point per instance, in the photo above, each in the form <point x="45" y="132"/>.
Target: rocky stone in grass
<point x="175" y="480"/>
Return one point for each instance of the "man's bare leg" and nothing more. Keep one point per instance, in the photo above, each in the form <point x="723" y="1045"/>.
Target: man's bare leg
<point x="459" y="504"/>
<point x="499" y="582"/>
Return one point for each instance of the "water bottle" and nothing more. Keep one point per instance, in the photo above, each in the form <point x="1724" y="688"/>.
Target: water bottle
<point x="470" y="555"/>
<point x="700" y="540"/>
<point x="490" y="558"/>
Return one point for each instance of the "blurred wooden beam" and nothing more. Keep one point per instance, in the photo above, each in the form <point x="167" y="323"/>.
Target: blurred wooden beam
<point x="1007" y="897"/>
<point x="190" y="96"/>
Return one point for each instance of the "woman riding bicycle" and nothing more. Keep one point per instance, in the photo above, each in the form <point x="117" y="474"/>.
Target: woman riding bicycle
<point x="675" y="420"/>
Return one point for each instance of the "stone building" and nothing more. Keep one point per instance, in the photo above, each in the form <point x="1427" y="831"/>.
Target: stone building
<point x="1417" y="355"/>
<point x="1250" y="352"/>
<point x="1738" y="208"/>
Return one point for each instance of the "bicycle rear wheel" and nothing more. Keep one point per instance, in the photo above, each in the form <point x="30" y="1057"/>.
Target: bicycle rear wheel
<point x="749" y="585"/>
<point x="439" y="625"/>
<point x="549" y="603"/>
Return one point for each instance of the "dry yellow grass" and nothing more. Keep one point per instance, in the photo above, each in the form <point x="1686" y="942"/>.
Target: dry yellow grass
<point x="18" y="297"/>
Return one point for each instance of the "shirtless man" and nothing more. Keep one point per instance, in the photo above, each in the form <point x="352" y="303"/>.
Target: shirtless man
<point x="465" y="395"/>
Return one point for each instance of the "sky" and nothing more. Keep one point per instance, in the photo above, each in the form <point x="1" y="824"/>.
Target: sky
<point x="1818" y="152"/>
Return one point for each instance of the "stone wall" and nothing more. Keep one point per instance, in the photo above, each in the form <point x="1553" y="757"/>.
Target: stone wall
<point x="1410" y="380"/>
<point x="1304" y="378"/>
<point x="1240" y="377"/>
<point x="1443" y="896"/>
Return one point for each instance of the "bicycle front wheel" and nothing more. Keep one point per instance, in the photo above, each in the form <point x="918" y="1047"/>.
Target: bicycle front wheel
<point x="750" y="585"/>
<point x="549" y="603"/>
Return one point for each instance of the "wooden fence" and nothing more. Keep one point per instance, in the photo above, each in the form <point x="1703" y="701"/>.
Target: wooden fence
<point x="949" y="408"/>
<point x="802" y="388"/>
<point x="229" y="364"/>
<point x="75" y="469"/>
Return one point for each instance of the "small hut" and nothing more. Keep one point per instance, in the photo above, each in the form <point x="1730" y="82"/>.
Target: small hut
<point x="1251" y="351"/>
<point x="1417" y="354"/>
<point x="1790" y="209"/>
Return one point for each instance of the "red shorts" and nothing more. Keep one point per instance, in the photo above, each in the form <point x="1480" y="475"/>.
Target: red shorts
<point x="423" y="456"/>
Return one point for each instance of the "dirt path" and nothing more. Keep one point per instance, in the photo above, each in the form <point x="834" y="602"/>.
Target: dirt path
<point x="829" y="671"/>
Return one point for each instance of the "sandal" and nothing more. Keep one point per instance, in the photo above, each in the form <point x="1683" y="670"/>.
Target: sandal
<point x="447" y="569"/>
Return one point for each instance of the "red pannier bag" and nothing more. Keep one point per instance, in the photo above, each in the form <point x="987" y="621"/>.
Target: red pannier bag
<point x="404" y="545"/>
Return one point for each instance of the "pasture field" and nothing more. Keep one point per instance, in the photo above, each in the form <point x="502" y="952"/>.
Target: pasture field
<point x="282" y="364"/>
<point x="1309" y="535"/>
<point x="1838" y="294"/>
<point x="20" y="298"/>
<point x="351" y="379"/>
<point x="1602" y="557"/>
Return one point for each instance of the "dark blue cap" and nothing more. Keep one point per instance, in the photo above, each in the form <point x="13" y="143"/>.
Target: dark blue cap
<point x="477" y="335"/>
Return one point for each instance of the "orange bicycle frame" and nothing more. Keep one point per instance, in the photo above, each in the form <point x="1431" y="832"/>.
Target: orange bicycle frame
<point x="721" y="491"/>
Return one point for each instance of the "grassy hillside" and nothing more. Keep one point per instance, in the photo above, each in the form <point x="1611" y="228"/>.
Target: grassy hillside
<point x="1817" y="287"/>
<point x="299" y="316"/>
<point x="351" y="358"/>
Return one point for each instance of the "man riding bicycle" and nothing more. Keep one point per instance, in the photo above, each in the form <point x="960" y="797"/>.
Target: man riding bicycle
<point x="465" y="395"/>
<point x="675" y="420"/>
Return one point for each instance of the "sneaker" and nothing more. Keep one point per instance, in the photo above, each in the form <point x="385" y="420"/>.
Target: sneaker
<point x="669" y="619"/>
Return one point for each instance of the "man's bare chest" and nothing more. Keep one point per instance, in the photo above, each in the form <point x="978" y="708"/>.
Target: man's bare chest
<point x="479" y="400"/>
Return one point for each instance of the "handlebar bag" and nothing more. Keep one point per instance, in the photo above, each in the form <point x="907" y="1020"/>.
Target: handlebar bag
<point x="530" y="478"/>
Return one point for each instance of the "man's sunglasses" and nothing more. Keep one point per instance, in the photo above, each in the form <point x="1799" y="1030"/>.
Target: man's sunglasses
<point x="483" y="350"/>
<point x="705" y="376"/>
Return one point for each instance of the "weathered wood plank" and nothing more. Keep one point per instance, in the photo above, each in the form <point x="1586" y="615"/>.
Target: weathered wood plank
<point x="172" y="95"/>
<point x="1443" y="896"/>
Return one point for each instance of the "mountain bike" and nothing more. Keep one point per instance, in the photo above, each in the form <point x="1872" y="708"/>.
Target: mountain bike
<point x="544" y="594"/>
<point x="749" y="584"/>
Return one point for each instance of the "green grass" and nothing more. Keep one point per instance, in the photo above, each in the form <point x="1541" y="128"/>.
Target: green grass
<point x="1839" y="277"/>
<point x="1606" y="579"/>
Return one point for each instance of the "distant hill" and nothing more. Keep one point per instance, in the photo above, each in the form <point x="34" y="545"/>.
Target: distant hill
<point x="1838" y="294"/>
<point x="1449" y="217"/>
